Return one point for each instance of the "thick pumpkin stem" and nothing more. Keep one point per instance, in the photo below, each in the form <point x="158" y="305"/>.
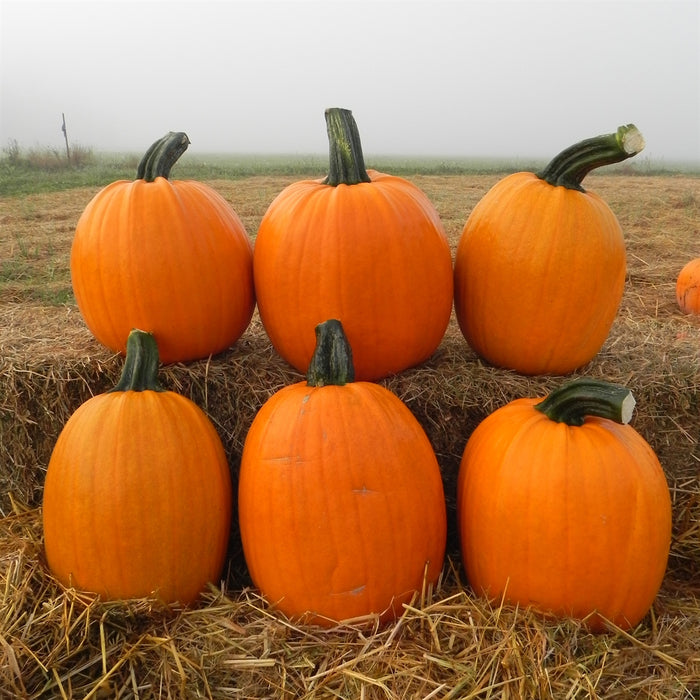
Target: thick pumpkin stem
<point x="332" y="359"/>
<point x="347" y="164"/>
<point x="573" y="164"/>
<point x="140" y="371"/>
<point x="161" y="156"/>
<point x="575" y="400"/>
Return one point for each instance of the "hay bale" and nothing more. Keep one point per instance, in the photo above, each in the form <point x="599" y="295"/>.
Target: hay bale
<point x="447" y="644"/>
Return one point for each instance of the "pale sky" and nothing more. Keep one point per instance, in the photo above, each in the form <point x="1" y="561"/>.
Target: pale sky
<point x="462" y="78"/>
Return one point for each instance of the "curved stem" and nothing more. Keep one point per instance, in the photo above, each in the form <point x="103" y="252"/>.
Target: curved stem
<point x="140" y="371"/>
<point x="575" y="400"/>
<point x="332" y="359"/>
<point x="161" y="156"/>
<point x="347" y="164"/>
<point x="573" y="164"/>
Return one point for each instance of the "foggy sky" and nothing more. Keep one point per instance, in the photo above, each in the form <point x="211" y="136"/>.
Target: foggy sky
<point x="462" y="78"/>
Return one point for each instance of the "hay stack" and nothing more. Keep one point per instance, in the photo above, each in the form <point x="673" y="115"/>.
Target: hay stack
<point x="447" y="644"/>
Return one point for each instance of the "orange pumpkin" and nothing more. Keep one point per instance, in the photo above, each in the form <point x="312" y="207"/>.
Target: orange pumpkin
<point x="540" y="266"/>
<point x="563" y="507"/>
<point x="688" y="287"/>
<point x="169" y="256"/>
<point x="137" y="499"/>
<point x="361" y="246"/>
<point x="341" y="504"/>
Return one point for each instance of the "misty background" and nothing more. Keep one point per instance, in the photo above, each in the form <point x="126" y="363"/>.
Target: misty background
<point x="496" y="78"/>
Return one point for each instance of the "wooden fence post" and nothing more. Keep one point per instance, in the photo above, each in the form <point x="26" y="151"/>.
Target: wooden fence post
<point x="65" y="136"/>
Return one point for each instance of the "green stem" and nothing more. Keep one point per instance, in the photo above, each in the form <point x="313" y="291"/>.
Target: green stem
<point x="347" y="164"/>
<point x="332" y="359"/>
<point x="575" y="400"/>
<point x="140" y="371"/>
<point x="162" y="155"/>
<point x="573" y="164"/>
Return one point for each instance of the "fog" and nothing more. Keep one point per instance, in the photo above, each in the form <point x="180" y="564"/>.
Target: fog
<point x="512" y="80"/>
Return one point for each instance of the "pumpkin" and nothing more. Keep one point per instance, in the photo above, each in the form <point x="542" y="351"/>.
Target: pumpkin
<point x="137" y="500"/>
<point x="688" y="287"/>
<point x="564" y="507"/>
<point x="340" y="498"/>
<point x="361" y="246"/>
<point x="540" y="266"/>
<point x="168" y="256"/>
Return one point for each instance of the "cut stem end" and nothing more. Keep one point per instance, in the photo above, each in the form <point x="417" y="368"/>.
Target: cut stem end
<point x="575" y="400"/>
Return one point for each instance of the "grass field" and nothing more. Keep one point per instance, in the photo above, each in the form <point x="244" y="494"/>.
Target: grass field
<point x="448" y="644"/>
<point x="25" y="172"/>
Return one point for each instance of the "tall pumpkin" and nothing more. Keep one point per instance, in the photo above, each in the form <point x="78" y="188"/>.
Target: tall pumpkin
<point x="169" y="256"/>
<point x="137" y="499"/>
<point x="563" y="506"/>
<point x="540" y="266"/>
<point x="341" y="504"/>
<point x="361" y="246"/>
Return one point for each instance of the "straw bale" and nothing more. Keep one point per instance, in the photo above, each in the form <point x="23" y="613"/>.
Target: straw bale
<point x="447" y="644"/>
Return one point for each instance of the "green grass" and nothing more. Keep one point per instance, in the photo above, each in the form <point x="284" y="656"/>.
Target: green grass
<point x="38" y="172"/>
<point x="25" y="177"/>
<point x="36" y="272"/>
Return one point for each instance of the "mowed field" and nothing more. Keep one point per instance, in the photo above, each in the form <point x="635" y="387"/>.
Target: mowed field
<point x="448" y="644"/>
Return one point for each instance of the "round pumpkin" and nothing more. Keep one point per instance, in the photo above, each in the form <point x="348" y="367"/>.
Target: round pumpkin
<point x="688" y="287"/>
<point x="341" y="504"/>
<point x="564" y="507"/>
<point x="137" y="500"/>
<point x="168" y="256"/>
<point x="540" y="266"/>
<point x="361" y="246"/>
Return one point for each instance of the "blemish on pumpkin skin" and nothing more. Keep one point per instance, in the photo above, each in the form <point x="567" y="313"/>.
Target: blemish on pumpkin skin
<point x="353" y="591"/>
<point x="285" y="459"/>
<point x="305" y="400"/>
<point x="363" y="491"/>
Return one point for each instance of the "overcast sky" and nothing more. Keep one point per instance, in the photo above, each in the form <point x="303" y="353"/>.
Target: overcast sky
<point x="513" y="79"/>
